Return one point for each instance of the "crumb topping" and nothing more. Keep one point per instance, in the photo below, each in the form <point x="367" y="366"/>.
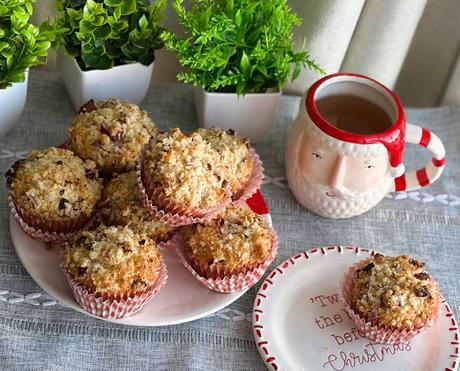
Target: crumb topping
<point x="120" y="205"/>
<point x="186" y="168"/>
<point x="55" y="184"/>
<point x="112" y="260"/>
<point x="112" y="133"/>
<point x="236" y="163"/>
<point x="394" y="291"/>
<point x="236" y="238"/>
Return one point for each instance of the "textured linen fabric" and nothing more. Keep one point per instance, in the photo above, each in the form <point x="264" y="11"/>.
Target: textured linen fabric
<point x="38" y="334"/>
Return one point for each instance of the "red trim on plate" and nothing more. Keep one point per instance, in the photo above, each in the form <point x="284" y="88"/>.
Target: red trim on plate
<point x="392" y="138"/>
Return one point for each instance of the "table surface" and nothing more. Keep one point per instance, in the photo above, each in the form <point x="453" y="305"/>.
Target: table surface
<point x="38" y="333"/>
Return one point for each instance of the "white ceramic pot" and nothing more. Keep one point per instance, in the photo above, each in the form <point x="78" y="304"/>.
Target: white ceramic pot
<point x="12" y="102"/>
<point x="126" y="82"/>
<point x="251" y="116"/>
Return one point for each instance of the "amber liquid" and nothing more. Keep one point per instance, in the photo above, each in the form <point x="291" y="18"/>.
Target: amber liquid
<point x="354" y="114"/>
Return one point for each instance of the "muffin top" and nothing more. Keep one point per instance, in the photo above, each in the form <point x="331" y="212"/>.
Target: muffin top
<point x="234" y="151"/>
<point x="111" y="133"/>
<point x="394" y="291"/>
<point x="121" y="205"/>
<point x="236" y="238"/>
<point x="186" y="168"/>
<point x="112" y="260"/>
<point x="55" y="184"/>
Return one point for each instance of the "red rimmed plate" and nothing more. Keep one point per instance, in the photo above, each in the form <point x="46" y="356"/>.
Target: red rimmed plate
<point x="300" y="323"/>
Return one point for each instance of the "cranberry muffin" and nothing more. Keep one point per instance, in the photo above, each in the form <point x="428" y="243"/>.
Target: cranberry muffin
<point x="54" y="190"/>
<point x="238" y="240"/>
<point x="111" y="133"/>
<point x="112" y="261"/>
<point x="182" y="172"/>
<point x="120" y="205"/>
<point x="394" y="292"/>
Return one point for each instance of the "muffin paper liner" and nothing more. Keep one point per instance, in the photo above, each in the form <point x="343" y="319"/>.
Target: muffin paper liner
<point x="220" y="280"/>
<point x="120" y="306"/>
<point x="254" y="181"/>
<point x="43" y="230"/>
<point x="379" y="333"/>
<point x="168" y="212"/>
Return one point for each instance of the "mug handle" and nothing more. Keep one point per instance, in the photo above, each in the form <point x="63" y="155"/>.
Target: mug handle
<point x="414" y="180"/>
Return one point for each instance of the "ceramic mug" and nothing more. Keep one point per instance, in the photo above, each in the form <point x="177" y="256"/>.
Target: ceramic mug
<point x="340" y="174"/>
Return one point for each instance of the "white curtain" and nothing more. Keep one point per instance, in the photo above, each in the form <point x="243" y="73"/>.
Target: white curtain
<point x="413" y="46"/>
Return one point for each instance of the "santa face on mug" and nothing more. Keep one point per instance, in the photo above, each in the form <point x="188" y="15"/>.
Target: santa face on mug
<point x="338" y="180"/>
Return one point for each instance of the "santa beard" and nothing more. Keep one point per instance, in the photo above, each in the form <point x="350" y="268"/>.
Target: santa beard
<point x="343" y="204"/>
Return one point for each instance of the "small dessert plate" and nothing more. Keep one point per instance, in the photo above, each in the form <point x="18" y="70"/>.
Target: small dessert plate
<point x="183" y="299"/>
<point x="300" y="323"/>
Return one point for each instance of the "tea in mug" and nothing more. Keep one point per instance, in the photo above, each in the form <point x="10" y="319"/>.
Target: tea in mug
<point x="354" y="114"/>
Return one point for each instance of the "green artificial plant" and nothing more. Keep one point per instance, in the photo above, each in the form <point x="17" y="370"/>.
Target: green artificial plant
<point x="237" y="46"/>
<point x="101" y="34"/>
<point x="22" y="44"/>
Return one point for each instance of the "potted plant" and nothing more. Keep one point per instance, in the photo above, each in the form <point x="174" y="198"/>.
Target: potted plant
<point x="109" y="47"/>
<point x="22" y="45"/>
<point x="240" y="53"/>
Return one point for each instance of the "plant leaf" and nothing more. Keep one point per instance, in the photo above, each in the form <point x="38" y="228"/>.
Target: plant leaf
<point x="128" y="7"/>
<point x="238" y="18"/>
<point x="113" y="3"/>
<point x="244" y="62"/>
<point x="296" y="71"/>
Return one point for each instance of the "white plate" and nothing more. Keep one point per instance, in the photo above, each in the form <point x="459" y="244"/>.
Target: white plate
<point x="183" y="299"/>
<point x="300" y="296"/>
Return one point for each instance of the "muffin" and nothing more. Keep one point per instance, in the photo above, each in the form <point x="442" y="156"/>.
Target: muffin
<point x="111" y="133"/>
<point x="54" y="191"/>
<point x="112" y="268"/>
<point x="237" y="162"/>
<point x="393" y="294"/>
<point x="237" y="241"/>
<point x="182" y="173"/>
<point x="120" y="205"/>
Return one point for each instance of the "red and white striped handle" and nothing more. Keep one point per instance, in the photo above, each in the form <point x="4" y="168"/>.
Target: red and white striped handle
<point x="430" y="173"/>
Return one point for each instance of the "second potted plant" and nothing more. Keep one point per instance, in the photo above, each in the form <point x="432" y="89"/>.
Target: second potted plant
<point x="109" y="47"/>
<point x="22" y="45"/>
<point x="239" y="52"/>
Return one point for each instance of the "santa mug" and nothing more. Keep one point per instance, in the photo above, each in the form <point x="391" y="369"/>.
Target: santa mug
<point x="339" y="173"/>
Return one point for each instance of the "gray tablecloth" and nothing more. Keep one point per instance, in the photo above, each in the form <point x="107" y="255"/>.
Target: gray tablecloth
<point x="37" y="333"/>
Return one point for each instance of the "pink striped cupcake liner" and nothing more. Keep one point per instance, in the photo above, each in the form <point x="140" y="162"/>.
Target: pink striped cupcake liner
<point x="374" y="332"/>
<point x="43" y="230"/>
<point x="220" y="280"/>
<point x="115" y="307"/>
<point x="255" y="179"/>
